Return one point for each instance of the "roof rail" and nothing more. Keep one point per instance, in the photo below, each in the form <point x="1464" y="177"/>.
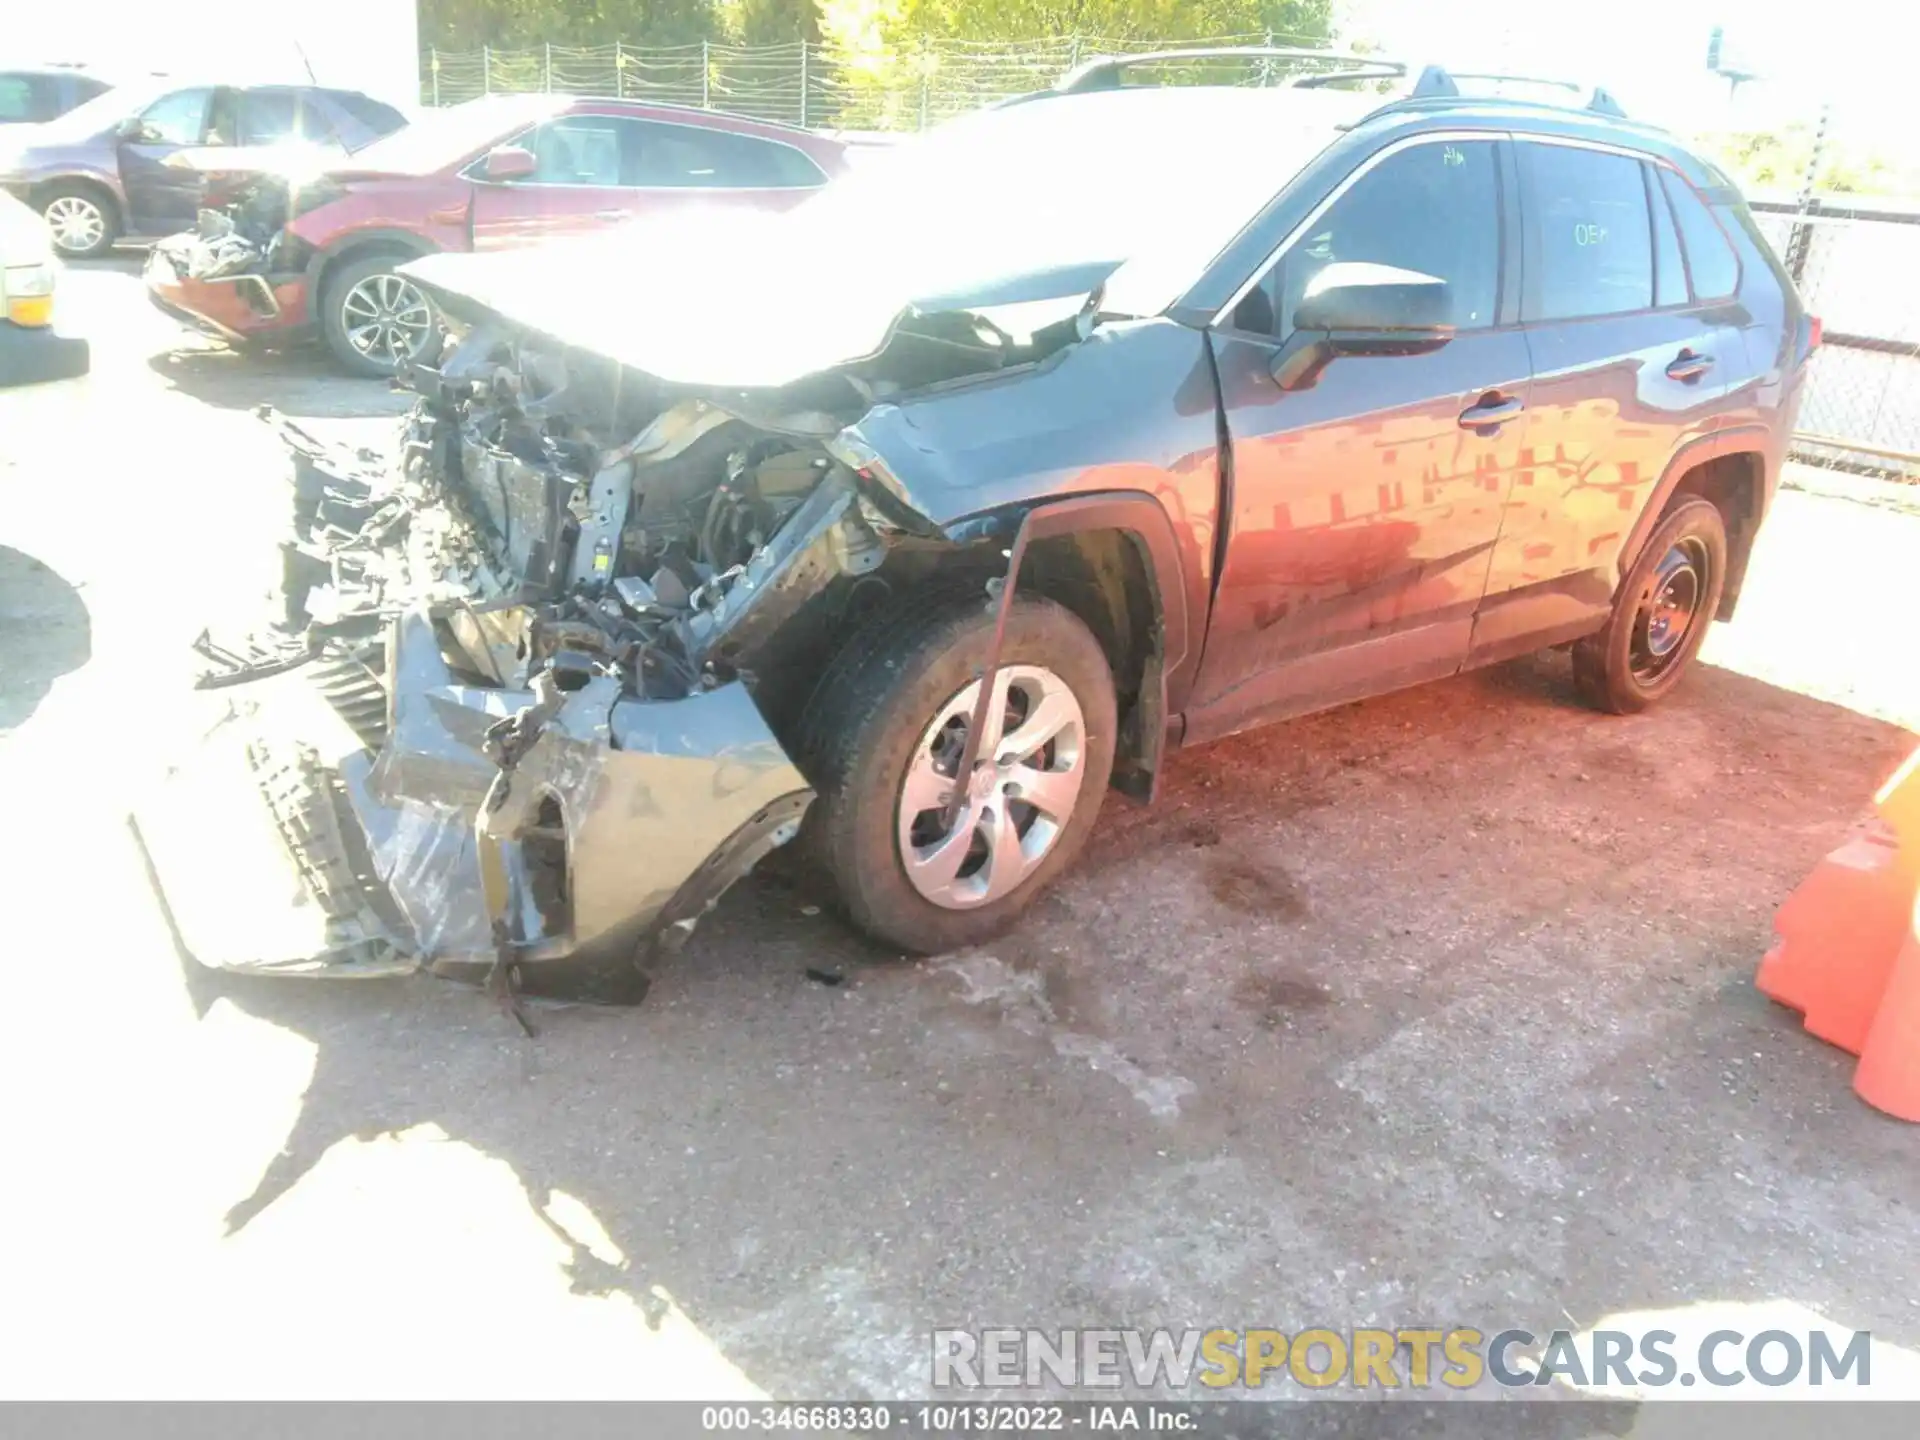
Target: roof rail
<point x="1436" y="82"/>
<point x="1103" y="72"/>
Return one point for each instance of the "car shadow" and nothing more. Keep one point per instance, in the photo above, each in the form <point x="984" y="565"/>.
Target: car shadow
<point x="1487" y="927"/>
<point x="300" y="382"/>
<point x="45" y="632"/>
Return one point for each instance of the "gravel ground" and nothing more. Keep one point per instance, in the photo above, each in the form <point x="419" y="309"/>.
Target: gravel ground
<point x="1434" y="1009"/>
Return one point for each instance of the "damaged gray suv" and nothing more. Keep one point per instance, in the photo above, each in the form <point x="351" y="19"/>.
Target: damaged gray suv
<point x="910" y="522"/>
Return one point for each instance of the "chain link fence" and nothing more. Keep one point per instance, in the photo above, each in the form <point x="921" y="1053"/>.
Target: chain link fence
<point x="1854" y="265"/>
<point x="811" y="86"/>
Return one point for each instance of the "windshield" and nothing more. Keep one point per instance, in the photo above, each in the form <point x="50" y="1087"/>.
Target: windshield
<point x="1168" y="178"/>
<point x="1033" y="202"/>
<point x="439" y="138"/>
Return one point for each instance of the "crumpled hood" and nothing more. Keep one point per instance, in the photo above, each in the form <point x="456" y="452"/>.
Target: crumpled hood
<point x="712" y="297"/>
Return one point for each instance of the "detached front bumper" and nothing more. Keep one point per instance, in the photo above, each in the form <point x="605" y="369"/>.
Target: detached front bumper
<point x="286" y="845"/>
<point x="237" y="308"/>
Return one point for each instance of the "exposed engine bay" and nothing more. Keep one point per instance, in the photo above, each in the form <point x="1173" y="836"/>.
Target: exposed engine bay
<point x="551" y="651"/>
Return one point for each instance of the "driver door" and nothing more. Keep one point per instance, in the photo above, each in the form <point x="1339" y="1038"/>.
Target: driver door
<point x="575" y="186"/>
<point x="1364" y="508"/>
<point x="162" y="199"/>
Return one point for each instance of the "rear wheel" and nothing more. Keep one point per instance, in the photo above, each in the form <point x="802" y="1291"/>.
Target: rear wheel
<point x="374" y="319"/>
<point x="1660" y="613"/>
<point x="81" y="221"/>
<point x="923" y="857"/>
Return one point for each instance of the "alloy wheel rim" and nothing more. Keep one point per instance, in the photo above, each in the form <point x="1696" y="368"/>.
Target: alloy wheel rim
<point x="76" y="223"/>
<point x="1015" y="805"/>
<point x="1669" y="610"/>
<point x="386" y="318"/>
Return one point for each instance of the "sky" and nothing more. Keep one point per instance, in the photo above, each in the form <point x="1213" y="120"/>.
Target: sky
<point x="1861" y="55"/>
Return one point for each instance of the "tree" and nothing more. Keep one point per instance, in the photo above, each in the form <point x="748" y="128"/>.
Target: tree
<point x="469" y="24"/>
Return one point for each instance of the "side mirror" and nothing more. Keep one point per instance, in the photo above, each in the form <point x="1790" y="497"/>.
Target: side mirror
<point x="1351" y="308"/>
<point x="509" y="162"/>
<point x="131" y="128"/>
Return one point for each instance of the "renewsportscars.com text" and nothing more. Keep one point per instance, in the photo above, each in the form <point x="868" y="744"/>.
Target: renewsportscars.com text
<point x="1374" y="1359"/>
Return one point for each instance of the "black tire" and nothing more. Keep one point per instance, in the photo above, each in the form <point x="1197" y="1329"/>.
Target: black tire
<point x="873" y="705"/>
<point x="340" y="284"/>
<point x="91" y="195"/>
<point x="1621" y="669"/>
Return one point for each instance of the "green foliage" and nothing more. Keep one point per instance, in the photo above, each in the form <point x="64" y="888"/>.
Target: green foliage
<point x="1775" y="162"/>
<point x="858" y="24"/>
<point x="469" y="24"/>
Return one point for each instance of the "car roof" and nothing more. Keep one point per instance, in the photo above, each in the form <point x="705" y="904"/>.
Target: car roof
<point x="1195" y="108"/>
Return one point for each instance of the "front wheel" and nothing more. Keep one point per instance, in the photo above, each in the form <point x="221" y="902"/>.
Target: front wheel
<point x="375" y="320"/>
<point x="923" y="857"/>
<point x="1660" y="613"/>
<point x="80" y="220"/>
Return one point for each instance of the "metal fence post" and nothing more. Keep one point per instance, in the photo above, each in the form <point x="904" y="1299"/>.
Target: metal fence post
<point x="486" y="69"/>
<point x="1800" y="241"/>
<point x="924" y="78"/>
<point x="706" y="78"/>
<point x="434" y="66"/>
<point x="619" y="71"/>
<point x="1266" y="62"/>
<point x="1073" y="51"/>
<point x="548" y="65"/>
<point x="803" y="84"/>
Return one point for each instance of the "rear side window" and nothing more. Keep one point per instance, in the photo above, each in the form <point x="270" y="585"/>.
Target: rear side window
<point x="1710" y="259"/>
<point x="680" y="156"/>
<point x="1587" y="214"/>
<point x="1432" y="208"/>
<point x="1669" y="270"/>
<point x="268" y="116"/>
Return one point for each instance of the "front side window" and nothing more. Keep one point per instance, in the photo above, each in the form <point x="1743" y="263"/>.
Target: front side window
<point x="177" y="119"/>
<point x="18" y="101"/>
<point x="1586" y="211"/>
<point x="1432" y="208"/>
<point x="1710" y="259"/>
<point x="577" y="150"/>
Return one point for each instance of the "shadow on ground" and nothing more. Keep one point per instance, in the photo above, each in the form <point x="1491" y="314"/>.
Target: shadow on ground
<point x="45" y="632"/>
<point x="1455" y="986"/>
<point x="300" y="382"/>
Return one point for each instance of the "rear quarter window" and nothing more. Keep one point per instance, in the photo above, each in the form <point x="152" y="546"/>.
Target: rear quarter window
<point x="380" y="119"/>
<point x="1710" y="259"/>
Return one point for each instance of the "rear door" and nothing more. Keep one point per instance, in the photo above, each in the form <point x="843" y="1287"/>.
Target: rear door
<point x="1628" y="366"/>
<point x="162" y="198"/>
<point x="1364" y="509"/>
<point x="593" y="171"/>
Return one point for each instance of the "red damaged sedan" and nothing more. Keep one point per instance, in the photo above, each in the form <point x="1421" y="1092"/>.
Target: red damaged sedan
<point x="294" y="256"/>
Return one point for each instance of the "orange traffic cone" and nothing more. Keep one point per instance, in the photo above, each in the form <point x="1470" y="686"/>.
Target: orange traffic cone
<point x="1835" y="939"/>
<point x="1846" y="952"/>
<point x="1889" y="1074"/>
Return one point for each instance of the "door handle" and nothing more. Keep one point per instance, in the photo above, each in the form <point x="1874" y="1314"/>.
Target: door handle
<point x="1689" y="367"/>
<point x="1492" y="411"/>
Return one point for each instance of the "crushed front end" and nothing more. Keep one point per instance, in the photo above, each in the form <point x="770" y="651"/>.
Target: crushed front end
<point x="239" y="273"/>
<point x="510" y="710"/>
